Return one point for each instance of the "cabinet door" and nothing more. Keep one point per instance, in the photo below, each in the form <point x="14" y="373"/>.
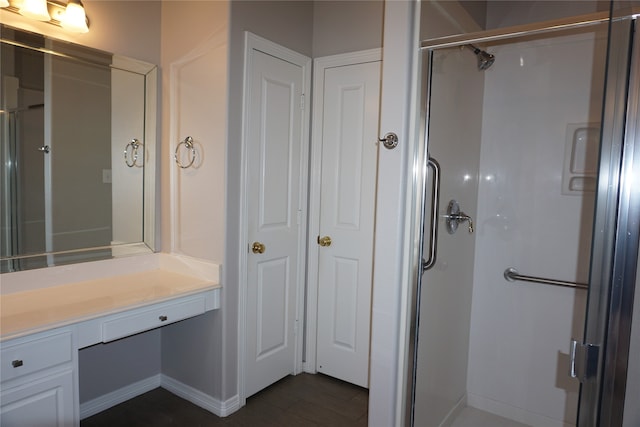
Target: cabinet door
<point x="43" y="402"/>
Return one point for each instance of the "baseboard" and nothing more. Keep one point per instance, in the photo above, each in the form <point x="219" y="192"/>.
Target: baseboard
<point x="454" y="412"/>
<point x="106" y="401"/>
<point x="218" y="407"/>
<point x="116" y="397"/>
<point x="520" y="415"/>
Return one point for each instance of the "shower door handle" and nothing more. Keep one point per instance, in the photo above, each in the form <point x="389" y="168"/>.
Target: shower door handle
<point x="433" y="227"/>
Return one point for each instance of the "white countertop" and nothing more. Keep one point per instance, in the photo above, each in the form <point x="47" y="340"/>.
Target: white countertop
<point x="60" y="304"/>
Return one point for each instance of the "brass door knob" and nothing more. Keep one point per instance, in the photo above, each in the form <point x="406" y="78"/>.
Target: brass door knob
<point x="324" y="241"/>
<point x="257" y="248"/>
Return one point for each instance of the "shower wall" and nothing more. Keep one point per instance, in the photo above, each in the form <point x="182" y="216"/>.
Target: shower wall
<point x="536" y="95"/>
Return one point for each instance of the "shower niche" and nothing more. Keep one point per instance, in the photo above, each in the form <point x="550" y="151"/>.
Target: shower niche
<point x="580" y="158"/>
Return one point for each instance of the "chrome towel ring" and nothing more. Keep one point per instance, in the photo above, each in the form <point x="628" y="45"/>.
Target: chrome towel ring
<point x="132" y="148"/>
<point x="188" y="143"/>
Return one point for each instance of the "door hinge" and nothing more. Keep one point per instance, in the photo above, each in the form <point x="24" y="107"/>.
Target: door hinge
<point x="302" y="101"/>
<point x="584" y="360"/>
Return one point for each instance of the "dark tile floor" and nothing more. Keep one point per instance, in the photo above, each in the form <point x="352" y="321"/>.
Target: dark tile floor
<point x="301" y="400"/>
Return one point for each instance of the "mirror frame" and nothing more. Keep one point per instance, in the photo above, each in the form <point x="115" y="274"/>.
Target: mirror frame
<point x="150" y="143"/>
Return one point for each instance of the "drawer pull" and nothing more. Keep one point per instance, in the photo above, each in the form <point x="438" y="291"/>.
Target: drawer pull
<point x="17" y="363"/>
<point x="163" y="318"/>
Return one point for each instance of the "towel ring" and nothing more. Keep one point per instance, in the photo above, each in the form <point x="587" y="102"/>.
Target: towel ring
<point x="134" y="145"/>
<point x="188" y="143"/>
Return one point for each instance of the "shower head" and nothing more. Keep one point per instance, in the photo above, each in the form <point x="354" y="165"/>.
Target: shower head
<point x="485" y="59"/>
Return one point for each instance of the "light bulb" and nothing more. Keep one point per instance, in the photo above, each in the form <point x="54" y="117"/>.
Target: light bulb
<point x="35" y="9"/>
<point x="4" y="3"/>
<point x="74" y="18"/>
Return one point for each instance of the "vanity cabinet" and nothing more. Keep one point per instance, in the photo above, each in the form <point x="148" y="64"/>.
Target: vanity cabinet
<point x="37" y="377"/>
<point x="43" y="329"/>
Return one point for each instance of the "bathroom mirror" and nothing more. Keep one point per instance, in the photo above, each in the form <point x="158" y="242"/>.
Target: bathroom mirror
<point x="78" y="153"/>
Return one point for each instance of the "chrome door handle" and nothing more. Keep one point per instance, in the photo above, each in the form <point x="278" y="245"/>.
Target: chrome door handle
<point x="257" y="248"/>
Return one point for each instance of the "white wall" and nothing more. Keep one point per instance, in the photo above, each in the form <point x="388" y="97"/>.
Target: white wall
<point x="520" y="332"/>
<point x="127" y="123"/>
<point x="194" y="85"/>
<point x="504" y="13"/>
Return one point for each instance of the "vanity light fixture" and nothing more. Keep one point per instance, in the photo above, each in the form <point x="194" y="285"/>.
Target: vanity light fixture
<point x="35" y="9"/>
<point x="74" y="18"/>
<point x="69" y="15"/>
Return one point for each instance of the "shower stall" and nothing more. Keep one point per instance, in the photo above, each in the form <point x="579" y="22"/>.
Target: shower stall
<point x="522" y="210"/>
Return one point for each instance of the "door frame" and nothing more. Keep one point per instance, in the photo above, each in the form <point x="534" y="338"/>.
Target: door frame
<point x="614" y="255"/>
<point x="253" y="42"/>
<point x="320" y="65"/>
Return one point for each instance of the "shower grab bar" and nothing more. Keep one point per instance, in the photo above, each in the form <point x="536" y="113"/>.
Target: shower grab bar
<point x="433" y="228"/>
<point x="511" y="275"/>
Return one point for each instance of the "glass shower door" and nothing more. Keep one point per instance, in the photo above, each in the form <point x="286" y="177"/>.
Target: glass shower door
<point x="517" y="145"/>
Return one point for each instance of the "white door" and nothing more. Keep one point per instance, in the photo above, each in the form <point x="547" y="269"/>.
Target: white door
<point x="275" y="147"/>
<point x="347" y="206"/>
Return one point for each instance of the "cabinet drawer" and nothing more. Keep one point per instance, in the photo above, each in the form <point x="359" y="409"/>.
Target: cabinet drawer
<point x="32" y="356"/>
<point x="151" y="318"/>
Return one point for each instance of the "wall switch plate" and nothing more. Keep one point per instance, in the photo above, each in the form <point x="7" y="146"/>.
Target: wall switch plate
<point x="106" y="176"/>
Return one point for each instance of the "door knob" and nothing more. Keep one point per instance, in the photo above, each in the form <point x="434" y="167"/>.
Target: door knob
<point x="324" y="241"/>
<point x="257" y="248"/>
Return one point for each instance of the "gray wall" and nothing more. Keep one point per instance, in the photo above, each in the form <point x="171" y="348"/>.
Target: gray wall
<point x="130" y="28"/>
<point x="108" y="367"/>
<point x="346" y="26"/>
